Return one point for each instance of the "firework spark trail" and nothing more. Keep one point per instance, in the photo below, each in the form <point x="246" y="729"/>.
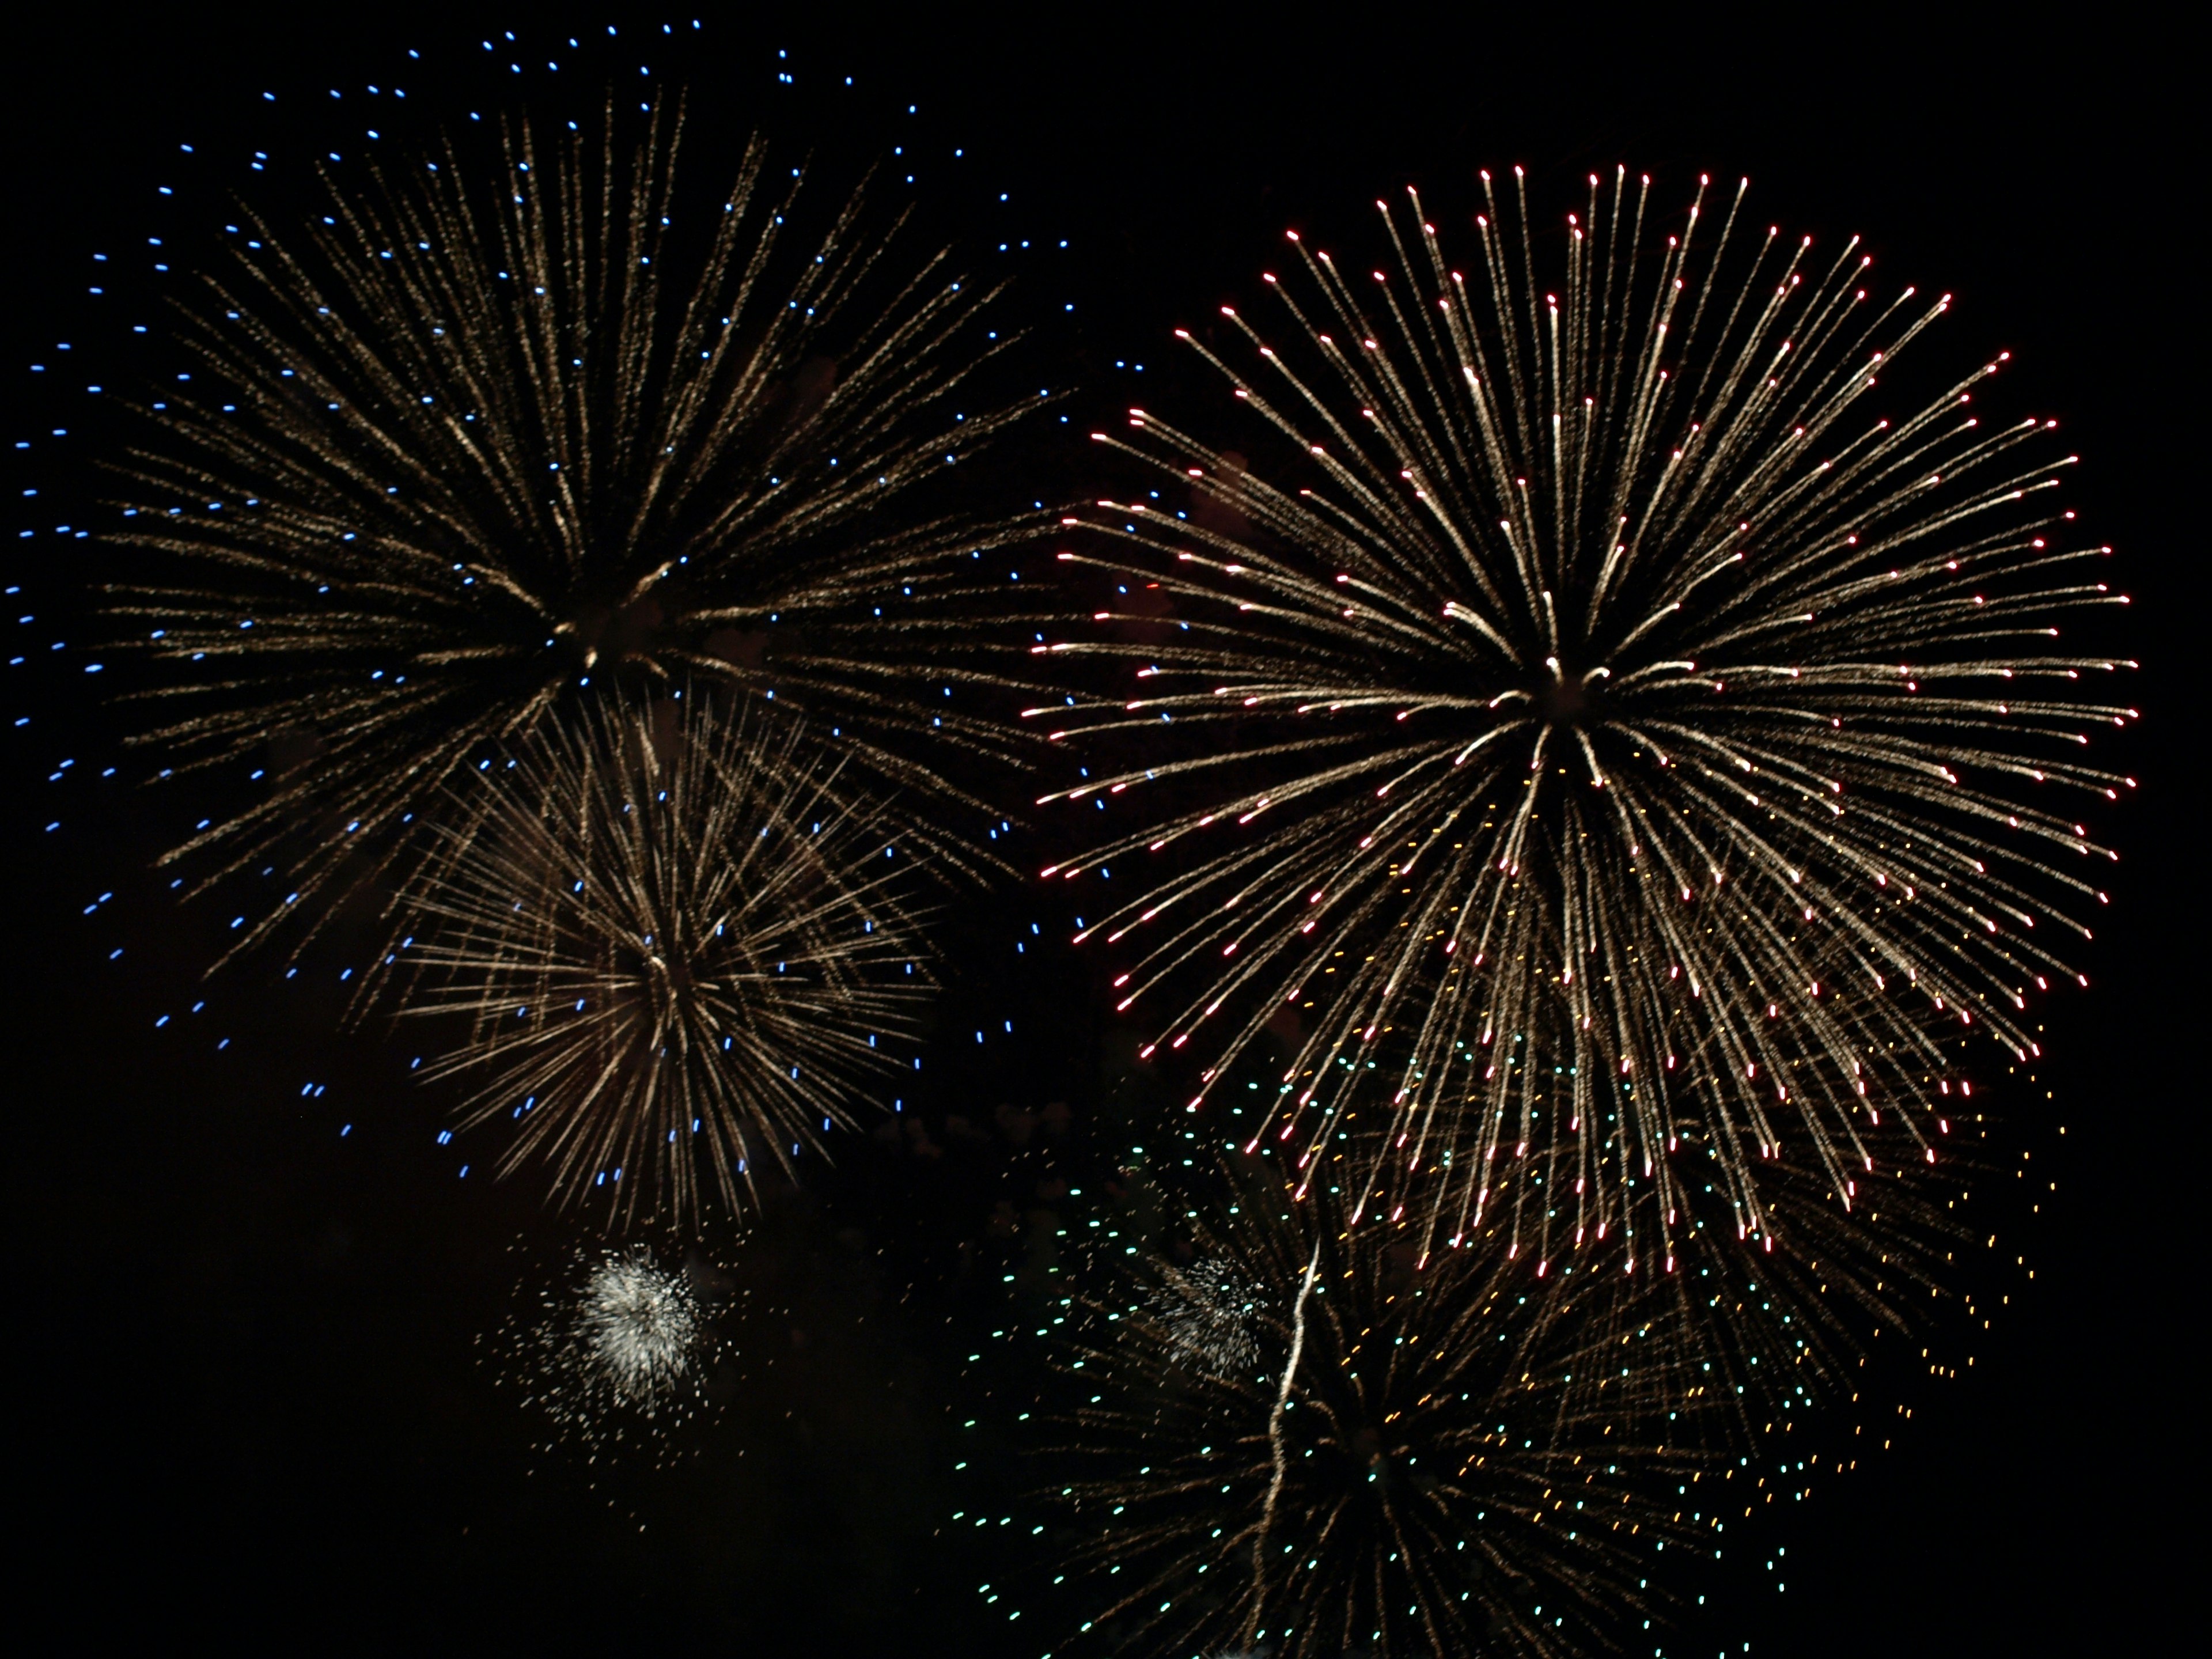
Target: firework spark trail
<point x="665" y="946"/>
<point x="1427" y="1457"/>
<point x="1277" y="1457"/>
<point x="469" y="447"/>
<point x="1613" y="736"/>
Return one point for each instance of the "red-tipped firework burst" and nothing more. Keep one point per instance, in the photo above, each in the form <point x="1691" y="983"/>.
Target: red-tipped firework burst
<point x="1606" y="749"/>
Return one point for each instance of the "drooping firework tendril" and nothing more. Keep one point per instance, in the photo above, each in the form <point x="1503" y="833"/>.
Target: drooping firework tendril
<point x="1277" y="1456"/>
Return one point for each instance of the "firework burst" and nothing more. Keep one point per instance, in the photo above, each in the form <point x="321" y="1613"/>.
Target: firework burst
<point x="1594" y="721"/>
<point x="1208" y="1315"/>
<point x="617" y="1351"/>
<point x="1412" y="1460"/>
<point x="667" y="944"/>
<point x="471" y="448"/>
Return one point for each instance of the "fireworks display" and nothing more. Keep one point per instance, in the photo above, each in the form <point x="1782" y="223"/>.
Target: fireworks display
<point x="618" y="1351"/>
<point x="667" y="944"/>
<point x="1604" y="748"/>
<point x="473" y="445"/>
<point x="1570" y="752"/>
<point x="1405" y="1460"/>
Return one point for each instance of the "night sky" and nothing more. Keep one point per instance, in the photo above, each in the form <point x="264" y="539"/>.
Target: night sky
<point x="251" y="1405"/>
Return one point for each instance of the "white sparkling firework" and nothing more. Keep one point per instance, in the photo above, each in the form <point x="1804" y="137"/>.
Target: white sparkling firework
<point x="1207" y="1313"/>
<point x="621" y="1351"/>
<point x="1606" y="748"/>
<point x="638" y="1330"/>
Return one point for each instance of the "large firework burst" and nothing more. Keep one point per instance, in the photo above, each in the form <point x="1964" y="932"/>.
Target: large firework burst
<point x="1594" y="721"/>
<point x="475" y="443"/>
<point x="667" y="944"/>
<point x="1390" y="1458"/>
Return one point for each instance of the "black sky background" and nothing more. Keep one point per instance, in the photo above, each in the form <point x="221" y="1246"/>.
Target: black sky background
<point x="249" y="1405"/>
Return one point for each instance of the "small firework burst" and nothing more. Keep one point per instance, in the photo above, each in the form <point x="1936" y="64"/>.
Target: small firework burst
<point x="617" y="1352"/>
<point x="1207" y="1315"/>
<point x="1423" y="1459"/>
<point x="1595" y="718"/>
<point x="637" y="1331"/>
<point x="667" y="946"/>
<point x="469" y="450"/>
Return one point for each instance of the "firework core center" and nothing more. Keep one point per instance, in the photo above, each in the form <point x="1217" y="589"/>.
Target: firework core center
<point x="1571" y="699"/>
